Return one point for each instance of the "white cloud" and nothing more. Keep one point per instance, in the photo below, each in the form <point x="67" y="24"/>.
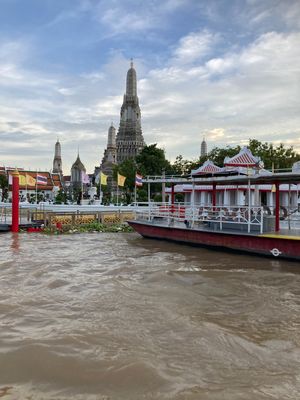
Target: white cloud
<point x="252" y="92"/>
<point x="195" y="46"/>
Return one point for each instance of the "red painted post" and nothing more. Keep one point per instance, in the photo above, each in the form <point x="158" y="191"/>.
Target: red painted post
<point x="15" y="201"/>
<point x="277" y="208"/>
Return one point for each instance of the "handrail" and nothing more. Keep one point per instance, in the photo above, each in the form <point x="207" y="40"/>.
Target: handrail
<point x="211" y="215"/>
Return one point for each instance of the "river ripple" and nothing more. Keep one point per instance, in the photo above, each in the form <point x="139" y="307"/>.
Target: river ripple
<point x="115" y="316"/>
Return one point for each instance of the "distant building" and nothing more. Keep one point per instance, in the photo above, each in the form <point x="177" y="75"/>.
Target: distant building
<point x="76" y="172"/>
<point x="110" y="157"/>
<point x="57" y="163"/>
<point x="30" y="187"/>
<point x="110" y="153"/>
<point x="203" y="151"/>
<point x="130" y="139"/>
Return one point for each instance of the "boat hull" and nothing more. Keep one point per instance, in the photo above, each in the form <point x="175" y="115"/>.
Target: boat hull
<point x="266" y="245"/>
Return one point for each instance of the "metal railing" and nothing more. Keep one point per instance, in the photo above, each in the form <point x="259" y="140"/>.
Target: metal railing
<point x="214" y="217"/>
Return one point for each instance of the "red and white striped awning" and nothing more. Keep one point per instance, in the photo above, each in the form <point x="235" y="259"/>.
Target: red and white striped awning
<point x="243" y="159"/>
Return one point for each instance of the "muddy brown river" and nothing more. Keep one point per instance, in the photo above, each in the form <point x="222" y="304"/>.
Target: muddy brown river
<point x="110" y="316"/>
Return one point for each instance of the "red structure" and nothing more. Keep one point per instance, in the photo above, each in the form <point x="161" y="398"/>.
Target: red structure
<point x="15" y="201"/>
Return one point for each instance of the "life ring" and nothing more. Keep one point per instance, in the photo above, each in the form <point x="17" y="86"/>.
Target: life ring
<point x="267" y="210"/>
<point x="283" y="212"/>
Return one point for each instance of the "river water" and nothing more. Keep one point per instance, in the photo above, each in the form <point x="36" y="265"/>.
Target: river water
<point x="114" y="316"/>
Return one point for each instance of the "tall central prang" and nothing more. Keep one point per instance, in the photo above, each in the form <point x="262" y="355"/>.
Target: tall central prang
<point x="130" y="139"/>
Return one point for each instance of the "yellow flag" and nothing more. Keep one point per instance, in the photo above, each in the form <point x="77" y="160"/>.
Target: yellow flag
<point x="103" y="179"/>
<point x="22" y="180"/>
<point x="121" y="180"/>
<point x="30" y="180"/>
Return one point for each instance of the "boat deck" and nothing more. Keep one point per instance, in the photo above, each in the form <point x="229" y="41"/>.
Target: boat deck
<point x="291" y="234"/>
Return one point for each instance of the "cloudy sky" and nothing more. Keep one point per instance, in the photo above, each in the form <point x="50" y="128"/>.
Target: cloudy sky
<point x="228" y="70"/>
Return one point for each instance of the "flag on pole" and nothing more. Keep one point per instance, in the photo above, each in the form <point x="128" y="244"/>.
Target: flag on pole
<point x="121" y="180"/>
<point x="103" y="179"/>
<point x="41" y="180"/>
<point x="22" y="180"/>
<point x="84" y="177"/>
<point x="138" y="180"/>
<point x="30" y="180"/>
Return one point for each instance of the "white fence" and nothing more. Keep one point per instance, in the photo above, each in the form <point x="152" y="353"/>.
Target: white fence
<point x="213" y="217"/>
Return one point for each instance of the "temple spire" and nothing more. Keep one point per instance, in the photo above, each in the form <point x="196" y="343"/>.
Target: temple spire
<point x="131" y="89"/>
<point x="57" y="163"/>
<point x="130" y="139"/>
<point x="203" y="151"/>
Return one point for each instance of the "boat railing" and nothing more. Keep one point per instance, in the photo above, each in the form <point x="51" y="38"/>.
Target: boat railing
<point x="289" y="216"/>
<point x="238" y="217"/>
<point x="212" y="217"/>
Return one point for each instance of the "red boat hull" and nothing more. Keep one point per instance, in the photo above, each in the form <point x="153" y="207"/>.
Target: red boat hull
<point x="276" y="247"/>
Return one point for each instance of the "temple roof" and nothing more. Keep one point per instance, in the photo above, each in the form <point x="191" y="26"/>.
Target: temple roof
<point x="208" y="168"/>
<point x="243" y="159"/>
<point x="78" y="164"/>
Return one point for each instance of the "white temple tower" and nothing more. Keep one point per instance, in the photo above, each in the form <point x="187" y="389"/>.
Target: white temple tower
<point x="57" y="163"/>
<point x="203" y="151"/>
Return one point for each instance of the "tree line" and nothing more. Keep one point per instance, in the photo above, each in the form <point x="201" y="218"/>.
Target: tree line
<point x="152" y="161"/>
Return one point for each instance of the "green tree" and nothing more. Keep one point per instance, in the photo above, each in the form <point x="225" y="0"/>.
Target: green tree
<point x="279" y="157"/>
<point x="218" y="154"/>
<point x="3" y="182"/>
<point x="126" y="168"/>
<point x="184" y="167"/>
<point x="181" y="166"/>
<point x="61" y="197"/>
<point x="4" y="187"/>
<point x="152" y="161"/>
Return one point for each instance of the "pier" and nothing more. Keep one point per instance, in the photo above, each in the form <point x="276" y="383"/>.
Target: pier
<point x="48" y="215"/>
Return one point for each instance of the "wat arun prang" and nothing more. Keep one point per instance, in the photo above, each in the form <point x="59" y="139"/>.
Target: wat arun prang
<point x="130" y="141"/>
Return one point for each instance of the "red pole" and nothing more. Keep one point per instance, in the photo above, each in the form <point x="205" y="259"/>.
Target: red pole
<point x="277" y="208"/>
<point x="15" y="202"/>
